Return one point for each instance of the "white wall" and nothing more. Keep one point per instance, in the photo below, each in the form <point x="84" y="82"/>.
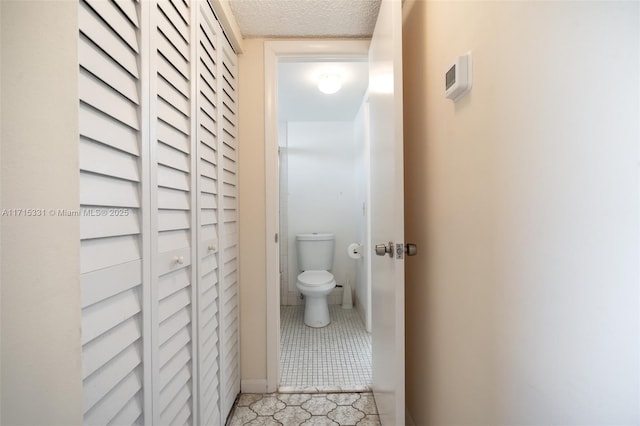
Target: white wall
<point x="284" y="225"/>
<point x="40" y="311"/>
<point x="321" y="191"/>
<point x="522" y="304"/>
<point x="361" y="214"/>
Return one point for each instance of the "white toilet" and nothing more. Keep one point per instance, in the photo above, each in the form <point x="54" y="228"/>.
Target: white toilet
<point x="315" y="259"/>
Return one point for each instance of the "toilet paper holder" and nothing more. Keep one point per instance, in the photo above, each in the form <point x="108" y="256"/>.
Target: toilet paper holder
<point x="355" y="250"/>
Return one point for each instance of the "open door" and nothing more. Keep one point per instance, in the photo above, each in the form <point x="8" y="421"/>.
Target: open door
<point x="387" y="213"/>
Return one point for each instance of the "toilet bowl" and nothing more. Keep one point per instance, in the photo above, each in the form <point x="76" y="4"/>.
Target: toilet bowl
<point x="316" y="286"/>
<point x="315" y="282"/>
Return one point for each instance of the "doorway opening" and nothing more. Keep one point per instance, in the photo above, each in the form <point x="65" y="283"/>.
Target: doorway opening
<point x="317" y="145"/>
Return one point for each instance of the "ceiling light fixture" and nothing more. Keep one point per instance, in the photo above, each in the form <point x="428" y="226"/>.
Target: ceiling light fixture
<point x="329" y="83"/>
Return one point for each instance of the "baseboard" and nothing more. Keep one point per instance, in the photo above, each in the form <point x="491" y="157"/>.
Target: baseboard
<point x="253" y="386"/>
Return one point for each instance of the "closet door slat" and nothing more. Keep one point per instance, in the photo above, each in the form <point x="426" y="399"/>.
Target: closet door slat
<point x="111" y="256"/>
<point x="209" y="38"/>
<point x="105" y="98"/>
<point x="128" y="8"/>
<point x="173" y="208"/>
<point x="99" y="127"/>
<point x="229" y="309"/>
<point x="112" y="14"/>
<point x="105" y="37"/>
<point x="111" y="407"/>
<point x="101" y="66"/>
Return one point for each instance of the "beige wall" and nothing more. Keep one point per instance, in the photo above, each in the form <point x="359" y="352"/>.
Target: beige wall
<point x="1" y="125"/>
<point x="253" y="307"/>
<point x="40" y="311"/>
<point x="522" y="306"/>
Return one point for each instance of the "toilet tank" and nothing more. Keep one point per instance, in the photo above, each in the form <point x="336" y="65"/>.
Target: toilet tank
<point x="315" y="251"/>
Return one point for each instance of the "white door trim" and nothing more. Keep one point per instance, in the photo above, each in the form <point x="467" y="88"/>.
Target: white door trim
<point x="273" y="52"/>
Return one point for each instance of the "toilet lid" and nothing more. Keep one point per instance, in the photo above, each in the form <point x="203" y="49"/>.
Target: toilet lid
<point x="312" y="278"/>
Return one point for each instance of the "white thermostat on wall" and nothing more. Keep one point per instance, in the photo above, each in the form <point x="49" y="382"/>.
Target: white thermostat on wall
<point x="458" y="78"/>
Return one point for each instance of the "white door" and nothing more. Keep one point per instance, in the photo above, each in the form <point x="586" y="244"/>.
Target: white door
<point x="158" y="189"/>
<point x="228" y="187"/>
<point x="112" y="253"/>
<point x="173" y="241"/>
<point x="387" y="213"/>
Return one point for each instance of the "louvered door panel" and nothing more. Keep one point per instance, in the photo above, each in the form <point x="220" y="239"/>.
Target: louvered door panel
<point x="173" y="243"/>
<point x="209" y="34"/>
<point x="158" y="191"/>
<point x="230" y="342"/>
<point x="111" y="205"/>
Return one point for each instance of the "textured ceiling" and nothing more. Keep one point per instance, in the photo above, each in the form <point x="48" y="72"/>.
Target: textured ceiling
<point x="305" y="18"/>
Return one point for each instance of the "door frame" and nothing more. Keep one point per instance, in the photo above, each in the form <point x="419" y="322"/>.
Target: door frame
<point x="274" y="51"/>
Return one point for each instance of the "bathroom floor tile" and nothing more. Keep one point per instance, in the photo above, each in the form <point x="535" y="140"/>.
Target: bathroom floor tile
<point x="305" y="409"/>
<point x="344" y="398"/>
<point x="319" y="406"/>
<point x="294" y="399"/>
<point x="346" y="415"/>
<point x="267" y="406"/>
<point x="335" y="358"/>
<point x="292" y="415"/>
<point x="366" y="404"/>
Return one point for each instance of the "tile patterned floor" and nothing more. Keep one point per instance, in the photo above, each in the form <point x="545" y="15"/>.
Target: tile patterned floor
<point x="305" y="409"/>
<point x="328" y="359"/>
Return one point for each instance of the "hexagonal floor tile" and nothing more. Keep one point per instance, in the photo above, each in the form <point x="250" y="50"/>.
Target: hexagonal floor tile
<point x="267" y="406"/>
<point x="294" y="399"/>
<point x="369" y="420"/>
<point x="319" y="406"/>
<point x="343" y="398"/>
<point x="242" y="415"/>
<point x="366" y="404"/>
<point x="319" y="421"/>
<point x="292" y="416"/>
<point x="346" y="415"/>
<point x="246" y="399"/>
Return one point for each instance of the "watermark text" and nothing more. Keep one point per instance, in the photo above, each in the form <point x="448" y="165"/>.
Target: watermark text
<point x="81" y="212"/>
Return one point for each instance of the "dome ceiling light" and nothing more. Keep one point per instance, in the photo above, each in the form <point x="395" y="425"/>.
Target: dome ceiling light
<point x="329" y="83"/>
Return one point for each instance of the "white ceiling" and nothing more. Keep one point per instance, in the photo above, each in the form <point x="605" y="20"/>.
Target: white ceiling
<point x="305" y="18"/>
<point x="300" y="100"/>
<point x="298" y="96"/>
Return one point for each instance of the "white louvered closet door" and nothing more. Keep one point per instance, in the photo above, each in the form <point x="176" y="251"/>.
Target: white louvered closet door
<point x="230" y="327"/>
<point x="158" y="160"/>
<point x="173" y="213"/>
<point x="112" y="253"/>
<point x="209" y="35"/>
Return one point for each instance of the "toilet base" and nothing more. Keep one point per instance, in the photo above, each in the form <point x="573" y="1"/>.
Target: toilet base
<point x="316" y="311"/>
